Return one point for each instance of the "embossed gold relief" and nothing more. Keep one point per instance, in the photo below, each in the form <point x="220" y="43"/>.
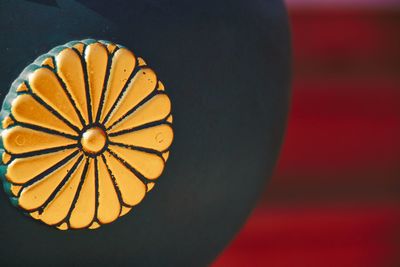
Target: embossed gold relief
<point x="86" y="132"/>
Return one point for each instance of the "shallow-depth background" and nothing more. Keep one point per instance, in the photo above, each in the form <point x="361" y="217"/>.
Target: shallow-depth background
<point x="335" y="197"/>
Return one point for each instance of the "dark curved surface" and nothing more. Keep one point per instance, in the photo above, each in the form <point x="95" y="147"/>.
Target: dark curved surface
<point x="225" y="65"/>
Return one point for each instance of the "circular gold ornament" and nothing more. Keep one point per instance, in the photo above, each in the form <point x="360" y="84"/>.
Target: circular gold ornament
<point x="93" y="140"/>
<point x="86" y="131"/>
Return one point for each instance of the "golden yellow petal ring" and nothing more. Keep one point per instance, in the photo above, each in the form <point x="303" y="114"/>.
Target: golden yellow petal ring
<point x="86" y="133"/>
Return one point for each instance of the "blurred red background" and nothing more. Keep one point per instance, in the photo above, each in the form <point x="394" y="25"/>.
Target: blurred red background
<point x="334" y="199"/>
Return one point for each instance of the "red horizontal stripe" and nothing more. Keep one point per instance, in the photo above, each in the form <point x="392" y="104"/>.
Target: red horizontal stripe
<point x="325" y="236"/>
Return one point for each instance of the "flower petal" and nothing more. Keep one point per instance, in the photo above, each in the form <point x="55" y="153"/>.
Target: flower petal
<point x="35" y="195"/>
<point x="20" y="170"/>
<point x="157" y="108"/>
<point x="141" y="85"/>
<point x="83" y="213"/>
<point x="96" y="57"/>
<point x="148" y="164"/>
<point x="125" y="210"/>
<point x="26" y="109"/>
<point x="44" y="84"/>
<point x="109" y="206"/>
<point x="15" y="189"/>
<point x="59" y="207"/>
<point x="122" y="66"/>
<point x="19" y="140"/>
<point x="70" y="70"/>
<point x="131" y="187"/>
<point x="157" y="137"/>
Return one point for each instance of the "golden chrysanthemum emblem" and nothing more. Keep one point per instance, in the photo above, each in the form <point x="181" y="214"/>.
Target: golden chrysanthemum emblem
<point x="86" y="132"/>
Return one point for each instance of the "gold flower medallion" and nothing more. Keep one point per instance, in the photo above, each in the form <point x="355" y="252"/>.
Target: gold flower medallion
<point x="86" y="131"/>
